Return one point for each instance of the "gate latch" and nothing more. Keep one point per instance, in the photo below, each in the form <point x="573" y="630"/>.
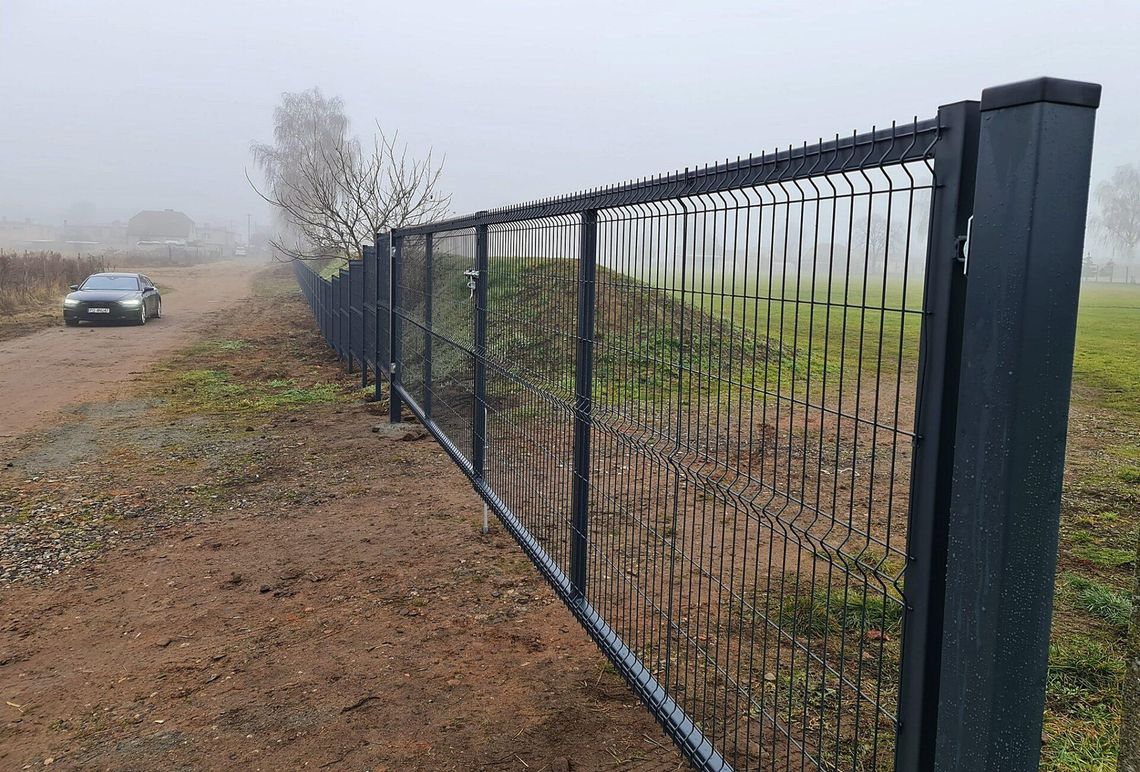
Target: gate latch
<point x="471" y="275"/>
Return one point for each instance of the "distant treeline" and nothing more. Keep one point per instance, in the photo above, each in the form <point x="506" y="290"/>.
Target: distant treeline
<point x="30" y="279"/>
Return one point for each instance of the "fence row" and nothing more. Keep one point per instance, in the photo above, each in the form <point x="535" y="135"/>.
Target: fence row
<point x="771" y="428"/>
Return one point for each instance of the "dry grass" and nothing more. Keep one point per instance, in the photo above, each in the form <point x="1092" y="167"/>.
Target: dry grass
<point x="30" y="280"/>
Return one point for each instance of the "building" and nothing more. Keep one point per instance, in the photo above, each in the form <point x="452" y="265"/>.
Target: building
<point x="219" y="240"/>
<point x="95" y="237"/>
<point x="25" y="234"/>
<point x="162" y="227"/>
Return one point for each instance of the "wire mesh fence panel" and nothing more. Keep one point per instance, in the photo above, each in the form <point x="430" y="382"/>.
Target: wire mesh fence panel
<point x="356" y="309"/>
<point x="338" y="312"/>
<point x="451" y="335"/>
<point x="532" y="294"/>
<point x="368" y="306"/>
<point x="755" y="362"/>
<point x="410" y="291"/>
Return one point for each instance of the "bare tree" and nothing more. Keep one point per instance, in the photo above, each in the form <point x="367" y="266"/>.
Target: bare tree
<point x="332" y="192"/>
<point x="1118" y="219"/>
<point x="872" y="236"/>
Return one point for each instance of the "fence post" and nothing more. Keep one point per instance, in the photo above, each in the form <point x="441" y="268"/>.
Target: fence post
<point x="395" y="404"/>
<point x="583" y="400"/>
<point x="936" y="408"/>
<point x="428" y="246"/>
<point x="1023" y="262"/>
<point x="381" y="254"/>
<point x="479" y="419"/>
<point x="363" y="297"/>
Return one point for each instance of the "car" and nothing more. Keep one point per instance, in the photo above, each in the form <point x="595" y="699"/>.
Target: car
<point x="127" y="297"/>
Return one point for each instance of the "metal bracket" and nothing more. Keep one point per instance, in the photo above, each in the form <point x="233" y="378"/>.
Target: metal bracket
<point x="471" y="275"/>
<point x="964" y="245"/>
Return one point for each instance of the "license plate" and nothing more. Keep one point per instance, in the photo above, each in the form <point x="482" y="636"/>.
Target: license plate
<point x="98" y="310"/>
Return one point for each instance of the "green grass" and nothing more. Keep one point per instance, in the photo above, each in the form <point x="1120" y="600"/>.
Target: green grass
<point x="1082" y="740"/>
<point x="1098" y="527"/>
<point x="1081" y="667"/>
<point x="816" y="612"/>
<point x="1100" y="600"/>
<point x="1105" y="557"/>
<point x="331" y="267"/>
<point x="1108" y="344"/>
<point x="216" y="392"/>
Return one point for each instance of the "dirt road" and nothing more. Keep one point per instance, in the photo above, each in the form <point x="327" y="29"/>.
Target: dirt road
<point x="47" y="371"/>
<point x="242" y="574"/>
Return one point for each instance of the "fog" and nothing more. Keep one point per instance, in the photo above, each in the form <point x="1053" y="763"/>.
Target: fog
<point x="109" y="108"/>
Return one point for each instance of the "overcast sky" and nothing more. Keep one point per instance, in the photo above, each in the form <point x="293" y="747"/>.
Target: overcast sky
<point x="110" y="106"/>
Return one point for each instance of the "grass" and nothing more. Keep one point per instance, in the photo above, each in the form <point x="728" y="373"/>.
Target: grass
<point x="818" y="611"/>
<point x="1081" y="666"/>
<point x="1105" y="557"/>
<point x="1099" y="518"/>
<point x="331" y="267"/>
<point x="1108" y="345"/>
<point x="1100" y="600"/>
<point x="215" y="391"/>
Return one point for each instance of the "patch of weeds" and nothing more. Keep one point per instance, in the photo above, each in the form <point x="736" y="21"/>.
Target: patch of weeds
<point x="1081" y="537"/>
<point x="232" y="345"/>
<point x="215" y="391"/>
<point x="285" y="394"/>
<point x="210" y="388"/>
<point x="1084" y="741"/>
<point x="1130" y="474"/>
<point x="1100" y="600"/>
<point x="1083" y="670"/>
<point x="1105" y="557"/>
<point x="816" y="612"/>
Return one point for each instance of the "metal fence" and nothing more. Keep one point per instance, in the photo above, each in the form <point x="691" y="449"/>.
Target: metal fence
<point x="771" y="428"/>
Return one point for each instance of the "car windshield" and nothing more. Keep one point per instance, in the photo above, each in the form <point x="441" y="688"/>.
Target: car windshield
<point x="110" y="283"/>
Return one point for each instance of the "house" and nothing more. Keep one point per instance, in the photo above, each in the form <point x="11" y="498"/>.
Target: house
<point x="25" y="234"/>
<point x="220" y="240"/>
<point x="112" y="236"/>
<point x="162" y="227"/>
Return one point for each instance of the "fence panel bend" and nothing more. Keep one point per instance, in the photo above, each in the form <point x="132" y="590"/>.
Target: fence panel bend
<point x="718" y="410"/>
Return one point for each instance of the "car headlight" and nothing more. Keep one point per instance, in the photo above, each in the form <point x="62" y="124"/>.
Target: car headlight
<point x="131" y="302"/>
<point x="70" y="302"/>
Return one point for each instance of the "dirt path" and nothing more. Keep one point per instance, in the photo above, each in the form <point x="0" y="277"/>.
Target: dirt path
<point x="248" y="577"/>
<point x="44" y="372"/>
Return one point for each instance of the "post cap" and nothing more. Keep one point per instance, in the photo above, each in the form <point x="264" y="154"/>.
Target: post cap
<point x="1055" y="90"/>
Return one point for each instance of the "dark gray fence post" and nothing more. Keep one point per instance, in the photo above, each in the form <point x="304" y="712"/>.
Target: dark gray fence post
<point x="1023" y="263"/>
<point x="395" y="404"/>
<point x="363" y="299"/>
<point x="583" y="400"/>
<point x="479" y="419"/>
<point x="426" y="402"/>
<point x="382" y="256"/>
<point x="955" y="162"/>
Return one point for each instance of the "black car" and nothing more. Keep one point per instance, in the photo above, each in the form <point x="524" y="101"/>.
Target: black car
<point x="130" y="297"/>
